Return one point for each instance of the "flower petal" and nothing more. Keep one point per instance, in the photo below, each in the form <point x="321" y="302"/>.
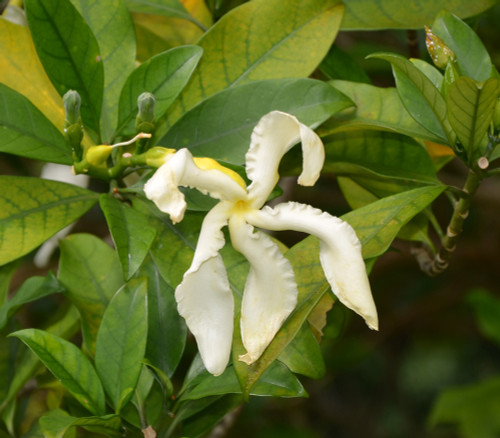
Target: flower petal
<point x="273" y="136"/>
<point x="340" y="252"/>
<point x="180" y="170"/>
<point x="270" y="291"/>
<point x="204" y="297"/>
<point x="205" y="301"/>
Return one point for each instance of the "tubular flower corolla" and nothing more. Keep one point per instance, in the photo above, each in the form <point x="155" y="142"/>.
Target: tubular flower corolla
<point x="204" y="296"/>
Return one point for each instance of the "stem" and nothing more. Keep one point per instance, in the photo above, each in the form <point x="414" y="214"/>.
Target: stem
<point x="435" y="266"/>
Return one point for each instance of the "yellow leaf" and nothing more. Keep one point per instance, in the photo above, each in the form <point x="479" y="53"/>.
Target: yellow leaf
<point x="22" y="71"/>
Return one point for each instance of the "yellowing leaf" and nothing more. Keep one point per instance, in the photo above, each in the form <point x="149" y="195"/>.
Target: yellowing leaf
<point x="22" y="71"/>
<point x="262" y="39"/>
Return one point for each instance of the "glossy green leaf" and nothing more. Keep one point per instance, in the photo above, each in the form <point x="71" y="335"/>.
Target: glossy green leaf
<point x="32" y="289"/>
<point x="110" y="22"/>
<point x="487" y="311"/>
<point x="471" y="56"/>
<point x="470" y="110"/>
<point x="199" y="417"/>
<point x="387" y="14"/>
<point x="167" y="8"/>
<point x="91" y="273"/>
<point x="69" y="53"/>
<point x="224" y="122"/>
<point x="131" y="231"/>
<point x="167" y="330"/>
<point x="473" y="408"/>
<point x="56" y="423"/>
<point x="121" y="342"/>
<point x="338" y="64"/>
<point x="276" y="381"/>
<point x="376" y="108"/>
<point x="382" y="154"/>
<point x="28" y="364"/>
<point x="164" y="75"/>
<point x="432" y="73"/>
<point x="419" y="96"/>
<point x="387" y="216"/>
<point x="303" y="355"/>
<point x="262" y="39"/>
<point x="25" y="131"/>
<point x="68" y="364"/>
<point x="34" y="209"/>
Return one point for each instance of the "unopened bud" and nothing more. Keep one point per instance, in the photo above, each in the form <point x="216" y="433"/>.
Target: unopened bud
<point x="440" y="53"/>
<point x="72" y="102"/>
<point x="146" y="103"/>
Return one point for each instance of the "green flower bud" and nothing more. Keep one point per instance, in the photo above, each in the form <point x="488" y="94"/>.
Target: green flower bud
<point x="97" y="155"/>
<point x="440" y="53"/>
<point x="146" y="103"/>
<point x="72" y="102"/>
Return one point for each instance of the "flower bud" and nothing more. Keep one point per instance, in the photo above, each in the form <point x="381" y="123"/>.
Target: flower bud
<point x="146" y="103"/>
<point x="440" y="53"/>
<point x="97" y="155"/>
<point x="72" y="103"/>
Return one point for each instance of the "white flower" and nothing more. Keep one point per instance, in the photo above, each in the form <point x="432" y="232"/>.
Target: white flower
<point x="204" y="297"/>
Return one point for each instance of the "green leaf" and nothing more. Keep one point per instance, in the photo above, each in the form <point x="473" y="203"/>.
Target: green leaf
<point x="262" y="39"/>
<point x="34" y="209"/>
<point x="387" y="14"/>
<point x="121" y="342"/>
<point x="383" y="154"/>
<point x="32" y="289"/>
<point x="167" y="8"/>
<point x="387" y="216"/>
<point x="487" y="312"/>
<point x="303" y="354"/>
<point x="6" y="273"/>
<point x="110" y="22"/>
<point x="470" y="110"/>
<point x="420" y="97"/>
<point x="91" y="273"/>
<point x="473" y="408"/>
<point x="224" y="122"/>
<point x="338" y="64"/>
<point x="69" y="53"/>
<point x="25" y="131"/>
<point x="68" y="364"/>
<point x="164" y="75"/>
<point x="56" y="423"/>
<point x="376" y="108"/>
<point x="472" y="57"/>
<point x="131" y="231"/>
<point x="276" y="381"/>
<point x="27" y="365"/>
<point x="167" y="330"/>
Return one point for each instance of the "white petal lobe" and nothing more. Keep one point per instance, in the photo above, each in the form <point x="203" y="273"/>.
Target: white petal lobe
<point x="270" y="292"/>
<point x="340" y="252"/>
<point x="273" y="136"/>
<point x="205" y="301"/>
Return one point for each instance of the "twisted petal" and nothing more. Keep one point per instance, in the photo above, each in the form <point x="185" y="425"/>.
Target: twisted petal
<point x="340" y="252"/>
<point x="270" y="291"/>
<point x="181" y="170"/>
<point x="273" y="136"/>
<point x="204" y="297"/>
